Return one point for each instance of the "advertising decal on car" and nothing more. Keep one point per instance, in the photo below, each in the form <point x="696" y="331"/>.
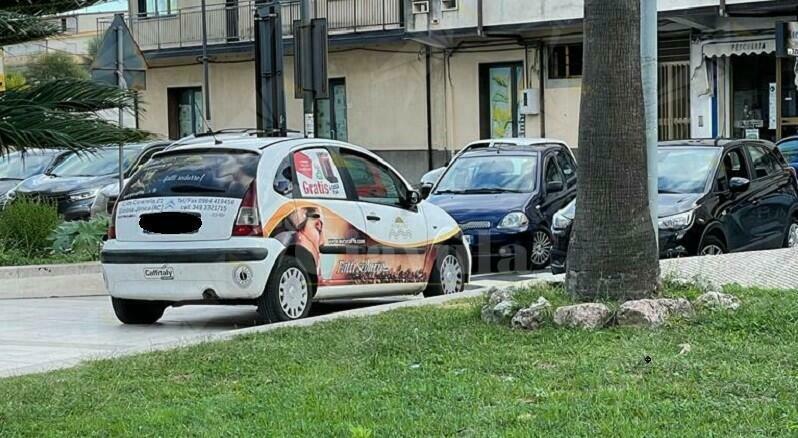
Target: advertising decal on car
<point x="317" y="176"/>
<point x="345" y="254"/>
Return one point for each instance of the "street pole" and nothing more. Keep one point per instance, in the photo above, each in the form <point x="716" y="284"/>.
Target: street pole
<point x="307" y="96"/>
<point x="120" y="71"/>
<point x="648" y="56"/>
<point x="205" y="80"/>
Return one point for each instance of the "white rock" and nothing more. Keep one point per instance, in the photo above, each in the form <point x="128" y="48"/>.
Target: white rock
<point x="587" y="316"/>
<point x="533" y="316"/>
<point x="652" y="313"/>
<point x="717" y="301"/>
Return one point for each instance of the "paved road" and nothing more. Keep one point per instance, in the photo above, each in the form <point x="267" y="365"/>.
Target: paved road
<point x="43" y="333"/>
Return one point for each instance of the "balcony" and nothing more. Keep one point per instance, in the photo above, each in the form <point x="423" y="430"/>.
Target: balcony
<point x="235" y="23"/>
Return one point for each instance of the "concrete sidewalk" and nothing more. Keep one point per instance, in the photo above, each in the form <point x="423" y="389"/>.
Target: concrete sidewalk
<point x="776" y="269"/>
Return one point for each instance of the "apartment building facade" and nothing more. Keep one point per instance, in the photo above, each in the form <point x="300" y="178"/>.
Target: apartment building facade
<point x="412" y="79"/>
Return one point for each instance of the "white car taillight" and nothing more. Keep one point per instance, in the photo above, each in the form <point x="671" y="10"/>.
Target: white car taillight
<point x="248" y="220"/>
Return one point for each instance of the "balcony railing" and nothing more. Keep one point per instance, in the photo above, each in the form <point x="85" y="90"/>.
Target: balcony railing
<point x="228" y="23"/>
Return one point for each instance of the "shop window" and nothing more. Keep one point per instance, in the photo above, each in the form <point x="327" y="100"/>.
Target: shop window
<point x="185" y="111"/>
<point x="565" y="61"/>
<point x="500" y="87"/>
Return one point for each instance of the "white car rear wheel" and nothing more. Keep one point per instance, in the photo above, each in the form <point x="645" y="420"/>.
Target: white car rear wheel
<point x="288" y="293"/>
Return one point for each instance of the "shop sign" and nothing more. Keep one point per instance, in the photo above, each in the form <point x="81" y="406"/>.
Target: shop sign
<point x="787" y="39"/>
<point x="749" y="124"/>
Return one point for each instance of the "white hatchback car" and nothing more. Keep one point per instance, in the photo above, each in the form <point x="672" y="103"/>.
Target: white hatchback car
<point x="277" y="223"/>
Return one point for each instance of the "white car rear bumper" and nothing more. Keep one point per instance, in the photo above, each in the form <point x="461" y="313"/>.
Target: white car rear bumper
<point x="233" y="269"/>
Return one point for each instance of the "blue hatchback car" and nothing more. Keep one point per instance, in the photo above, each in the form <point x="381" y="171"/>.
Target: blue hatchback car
<point x="504" y="199"/>
<point x="789" y="149"/>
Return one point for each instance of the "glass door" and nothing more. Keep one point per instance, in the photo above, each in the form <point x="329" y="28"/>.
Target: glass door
<point x="331" y="118"/>
<point x="500" y="88"/>
<point x="788" y="80"/>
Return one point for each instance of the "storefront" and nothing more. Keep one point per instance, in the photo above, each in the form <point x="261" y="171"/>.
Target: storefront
<point x="752" y="91"/>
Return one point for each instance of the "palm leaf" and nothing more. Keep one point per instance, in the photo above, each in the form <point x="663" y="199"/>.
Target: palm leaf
<point x="18" y="28"/>
<point x="43" y="7"/>
<point x="71" y="95"/>
<point x="62" y="114"/>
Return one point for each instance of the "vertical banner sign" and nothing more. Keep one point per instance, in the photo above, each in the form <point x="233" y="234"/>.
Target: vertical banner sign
<point x="2" y="71"/>
<point x="772" y="106"/>
<point x="787" y="39"/>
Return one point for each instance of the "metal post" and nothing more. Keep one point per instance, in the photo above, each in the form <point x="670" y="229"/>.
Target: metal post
<point x="120" y="71"/>
<point x="205" y="79"/>
<point x="307" y="96"/>
<point x="648" y="57"/>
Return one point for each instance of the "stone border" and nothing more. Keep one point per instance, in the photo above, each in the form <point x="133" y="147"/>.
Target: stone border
<point x="20" y="272"/>
<point x="187" y="341"/>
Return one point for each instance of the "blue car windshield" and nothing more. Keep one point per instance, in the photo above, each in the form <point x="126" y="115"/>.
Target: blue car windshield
<point x="685" y="169"/>
<point x="790" y="150"/>
<point x="18" y="166"/>
<point x="490" y="174"/>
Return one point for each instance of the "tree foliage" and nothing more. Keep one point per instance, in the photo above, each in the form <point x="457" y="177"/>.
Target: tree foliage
<point x="56" y="110"/>
<point x="53" y="66"/>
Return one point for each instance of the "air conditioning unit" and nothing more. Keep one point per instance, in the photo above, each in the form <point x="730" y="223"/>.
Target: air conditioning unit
<point x="449" y="5"/>
<point x="421" y="7"/>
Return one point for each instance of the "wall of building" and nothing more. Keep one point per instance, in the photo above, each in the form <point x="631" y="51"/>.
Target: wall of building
<point x="525" y="11"/>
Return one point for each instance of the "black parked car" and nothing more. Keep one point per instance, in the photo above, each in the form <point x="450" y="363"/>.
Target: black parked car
<point x="17" y="167"/>
<point x="504" y="198"/>
<point x="74" y="183"/>
<point x="715" y="196"/>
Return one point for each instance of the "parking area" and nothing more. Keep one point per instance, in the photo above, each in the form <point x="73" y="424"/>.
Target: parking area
<point x="45" y="333"/>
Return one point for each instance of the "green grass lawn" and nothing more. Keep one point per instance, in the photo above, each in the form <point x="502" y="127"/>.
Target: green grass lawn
<point x="440" y="371"/>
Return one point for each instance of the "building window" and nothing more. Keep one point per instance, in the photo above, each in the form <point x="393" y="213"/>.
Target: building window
<point x="449" y="5"/>
<point x="499" y="91"/>
<point x="185" y="111"/>
<point x="153" y="8"/>
<point x="565" y="61"/>
<point x="331" y="119"/>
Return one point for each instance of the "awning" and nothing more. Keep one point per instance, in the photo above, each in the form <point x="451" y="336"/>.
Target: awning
<point x="716" y="49"/>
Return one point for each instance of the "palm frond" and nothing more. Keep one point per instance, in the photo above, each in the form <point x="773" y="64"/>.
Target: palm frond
<point x="71" y="95"/>
<point x="62" y="114"/>
<point x="18" y="28"/>
<point x="43" y="7"/>
<point x="32" y="126"/>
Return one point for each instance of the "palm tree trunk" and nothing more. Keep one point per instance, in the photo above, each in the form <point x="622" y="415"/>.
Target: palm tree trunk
<point x="613" y="252"/>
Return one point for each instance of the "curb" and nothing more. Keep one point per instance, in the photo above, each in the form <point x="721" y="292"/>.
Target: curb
<point x="188" y="341"/>
<point x="20" y="272"/>
<point x="48" y="281"/>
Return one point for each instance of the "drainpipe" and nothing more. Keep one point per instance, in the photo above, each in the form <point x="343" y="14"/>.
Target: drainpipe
<point x="428" y="57"/>
<point x="480" y="19"/>
<point x="648" y="58"/>
<point x="205" y="76"/>
<point x="542" y="79"/>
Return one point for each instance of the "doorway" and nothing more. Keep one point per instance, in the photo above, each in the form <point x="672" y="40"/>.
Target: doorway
<point x="500" y="86"/>
<point x="331" y="118"/>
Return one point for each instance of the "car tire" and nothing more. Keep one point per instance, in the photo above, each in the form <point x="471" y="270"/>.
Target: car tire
<point x="712" y="245"/>
<point x="791" y="240"/>
<point x="448" y="274"/>
<point x="137" y="311"/>
<point x="288" y="294"/>
<point x="540" y="250"/>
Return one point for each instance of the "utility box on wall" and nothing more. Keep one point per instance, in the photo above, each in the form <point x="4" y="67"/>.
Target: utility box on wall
<point x="530" y="102"/>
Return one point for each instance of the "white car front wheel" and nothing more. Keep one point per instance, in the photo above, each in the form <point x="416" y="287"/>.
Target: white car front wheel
<point x="448" y="274"/>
